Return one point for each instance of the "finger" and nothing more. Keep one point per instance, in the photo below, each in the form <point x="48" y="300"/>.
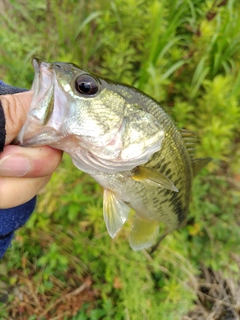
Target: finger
<point x="16" y="161"/>
<point x="16" y="191"/>
<point x="15" y="107"/>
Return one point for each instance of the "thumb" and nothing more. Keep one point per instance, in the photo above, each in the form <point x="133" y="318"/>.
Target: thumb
<point x="15" y="108"/>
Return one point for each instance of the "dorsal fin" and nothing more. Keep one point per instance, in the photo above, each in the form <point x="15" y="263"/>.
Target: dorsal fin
<point x="199" y="163"/>
<point x="190" y="140"/>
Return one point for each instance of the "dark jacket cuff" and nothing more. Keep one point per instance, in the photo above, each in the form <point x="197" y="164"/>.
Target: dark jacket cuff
<point x="2" y="128"/>
<point x="5" y="243"/>
<point x="11" y="219"/>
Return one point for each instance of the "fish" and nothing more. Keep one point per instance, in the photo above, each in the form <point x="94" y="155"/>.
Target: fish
<point x="122" y="138"/>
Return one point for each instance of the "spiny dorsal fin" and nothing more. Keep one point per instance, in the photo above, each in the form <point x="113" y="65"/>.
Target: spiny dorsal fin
<point x="199" y="163"/>
<point x="190" y="139"/>
<point x="153" y="177"/>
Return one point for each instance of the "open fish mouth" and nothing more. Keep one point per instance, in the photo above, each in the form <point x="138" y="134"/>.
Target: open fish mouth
<point x="43" y="88"/>
<point x="42" y="127"/>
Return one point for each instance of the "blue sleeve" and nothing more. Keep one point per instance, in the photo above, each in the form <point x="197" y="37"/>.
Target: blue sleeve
<point x="13" y="218"/>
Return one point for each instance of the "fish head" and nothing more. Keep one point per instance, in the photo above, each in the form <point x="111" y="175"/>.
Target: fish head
<point x="99" y="123"/>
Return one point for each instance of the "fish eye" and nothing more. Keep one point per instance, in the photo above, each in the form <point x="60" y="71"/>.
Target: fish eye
<point x="86" y="84"/>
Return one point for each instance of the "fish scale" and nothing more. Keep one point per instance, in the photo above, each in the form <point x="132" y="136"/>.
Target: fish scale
<point x="123" y="139"/>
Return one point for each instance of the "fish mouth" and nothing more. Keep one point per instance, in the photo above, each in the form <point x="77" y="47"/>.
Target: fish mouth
<point x="43" y="88"/>
<point x="35" y="132"/>
<point x="43" y="75"/>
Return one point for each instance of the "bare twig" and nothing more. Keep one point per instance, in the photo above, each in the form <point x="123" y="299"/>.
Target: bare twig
<point x="80" y="289"/>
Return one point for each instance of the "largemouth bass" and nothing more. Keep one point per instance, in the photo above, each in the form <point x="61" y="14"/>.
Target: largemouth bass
<point x="123" y="139"/>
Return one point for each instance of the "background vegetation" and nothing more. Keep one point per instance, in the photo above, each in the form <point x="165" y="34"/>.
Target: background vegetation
<point x="184" y="53"/>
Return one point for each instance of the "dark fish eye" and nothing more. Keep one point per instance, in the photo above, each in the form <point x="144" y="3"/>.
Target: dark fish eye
<point x="86" y="84"/>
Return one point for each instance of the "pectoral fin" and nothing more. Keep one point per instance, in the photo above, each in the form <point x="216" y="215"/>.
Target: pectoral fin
<point x="153" y="178"/>
<point x="143" y="234"/>
<point x="115" y="212"/>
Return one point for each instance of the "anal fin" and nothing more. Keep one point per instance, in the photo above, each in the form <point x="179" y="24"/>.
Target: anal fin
<point x="143" y="234"/>
<point x="115" y="212"/>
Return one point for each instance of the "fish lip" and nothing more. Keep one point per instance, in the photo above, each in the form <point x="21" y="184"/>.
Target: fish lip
<point x="37" y="76"/>
<point x="40" y="68"/>
<point x="37" y="64"/>
<point x="39" y="139"/>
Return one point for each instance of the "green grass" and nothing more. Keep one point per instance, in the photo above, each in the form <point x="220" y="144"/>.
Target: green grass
<point x="185" y="54"/>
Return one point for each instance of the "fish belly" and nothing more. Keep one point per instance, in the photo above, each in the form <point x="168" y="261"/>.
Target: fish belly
<point x="148" y="202"/>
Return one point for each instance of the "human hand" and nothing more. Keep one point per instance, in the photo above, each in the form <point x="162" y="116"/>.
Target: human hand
<point x="23" y="171"/>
